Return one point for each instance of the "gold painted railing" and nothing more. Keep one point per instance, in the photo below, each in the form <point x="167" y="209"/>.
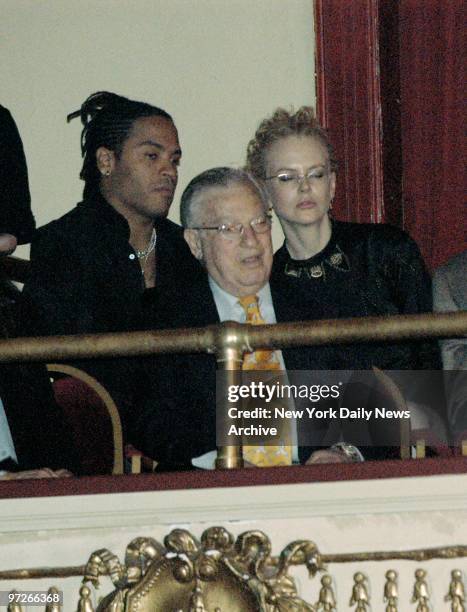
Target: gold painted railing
<point x="226" y="337"/>
<point x="229" y="340"/>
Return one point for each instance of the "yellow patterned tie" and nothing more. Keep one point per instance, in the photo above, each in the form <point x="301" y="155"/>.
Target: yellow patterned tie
<point x="267" y="455"/>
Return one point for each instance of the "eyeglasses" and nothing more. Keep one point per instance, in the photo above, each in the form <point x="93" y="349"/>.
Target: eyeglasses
<point x="315" y="176"/>
<point x="233" y="231"/>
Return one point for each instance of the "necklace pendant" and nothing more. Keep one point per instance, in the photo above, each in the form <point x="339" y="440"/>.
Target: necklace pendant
<point x="291" y="270"/>
<point x="151" y="246"/>
<point x="336" y="259"/>
<point x="316" y="271"/>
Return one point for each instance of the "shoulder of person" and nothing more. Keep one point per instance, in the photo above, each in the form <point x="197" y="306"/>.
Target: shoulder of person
<point x="52" y="231"/>
<point x="456" y="264"/>
<point x="382" y="239"/>
<point x="71" y="222"/>
<point x="10" y="142"/>
<point x="450" y="279"/>
<point x="167" y="225"/>
<point x="169" y="228"/>
<point x="383" y="232"/>
<point x="5" y="113"/>
<point x="389" y="249"/>
<point x="173" y="242"/>
<point x="6" y="119"/>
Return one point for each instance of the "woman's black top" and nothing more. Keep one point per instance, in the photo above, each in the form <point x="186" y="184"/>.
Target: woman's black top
<point x="365" y="270"/>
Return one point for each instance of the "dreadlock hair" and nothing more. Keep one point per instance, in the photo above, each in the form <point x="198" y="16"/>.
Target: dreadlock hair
<point x="107" y="119"/>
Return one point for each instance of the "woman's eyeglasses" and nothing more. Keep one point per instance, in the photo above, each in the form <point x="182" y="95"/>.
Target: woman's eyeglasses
<point x="295" y="178"/>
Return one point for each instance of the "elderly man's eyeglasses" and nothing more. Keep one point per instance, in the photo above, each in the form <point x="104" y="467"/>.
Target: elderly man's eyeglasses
<point x="292" y="177"/>
<point x="234" y="231"/>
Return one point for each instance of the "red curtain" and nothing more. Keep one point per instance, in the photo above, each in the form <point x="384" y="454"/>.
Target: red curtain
<point x="390" y="79"/>
<point x="432" y="73"/>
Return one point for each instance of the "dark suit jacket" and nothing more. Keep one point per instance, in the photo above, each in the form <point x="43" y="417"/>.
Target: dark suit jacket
<point x="176" y="421"/>
<point x="15" y="201"/>
<point x="367" y="270"/>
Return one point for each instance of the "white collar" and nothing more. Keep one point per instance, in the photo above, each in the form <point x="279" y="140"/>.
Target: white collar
<point x="229" y="307"/>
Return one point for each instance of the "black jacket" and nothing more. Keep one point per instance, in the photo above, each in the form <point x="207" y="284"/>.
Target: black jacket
<point x="365" y="270"/>
<point x="38" y="427"/>
<point x="15" y="201"/>
<point x="86" y="278"/>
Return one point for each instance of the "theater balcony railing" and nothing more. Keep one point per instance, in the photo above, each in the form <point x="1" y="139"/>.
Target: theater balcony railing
<point x="230" y="340"/>
<point x="390" y="534"/>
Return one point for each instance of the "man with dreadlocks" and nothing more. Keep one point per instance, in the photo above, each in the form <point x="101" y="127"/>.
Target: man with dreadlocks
<point x="111" y="263"/>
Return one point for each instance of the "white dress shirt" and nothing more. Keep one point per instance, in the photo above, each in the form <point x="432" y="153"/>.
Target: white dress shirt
<point x="7" y="448"/>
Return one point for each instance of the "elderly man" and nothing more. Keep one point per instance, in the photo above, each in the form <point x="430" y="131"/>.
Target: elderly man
<point x="228" y="229"/>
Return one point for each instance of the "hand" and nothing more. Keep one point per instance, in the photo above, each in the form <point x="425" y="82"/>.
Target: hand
<point x="8" y="244"/>
<point x="34" y="474"/>
<point x="327" y="455"/>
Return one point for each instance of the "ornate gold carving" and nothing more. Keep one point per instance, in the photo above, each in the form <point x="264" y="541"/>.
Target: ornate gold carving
<point x="420" y="592"/>
<point x="456" y="593"/>
<point x="14" y="607"/>
<point x="53" y="607"/>
<point x="327" y="599"/>
<point x="85" y="604"/>
<point x="139" y="553"/>
<point x="216" y="573"/>
<point x="391" y="593"/>
<point x="360" y="597"/>
<point x="219" y="573"/>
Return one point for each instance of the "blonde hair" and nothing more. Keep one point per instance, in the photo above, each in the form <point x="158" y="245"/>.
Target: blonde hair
<point x="281" y="124"/>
